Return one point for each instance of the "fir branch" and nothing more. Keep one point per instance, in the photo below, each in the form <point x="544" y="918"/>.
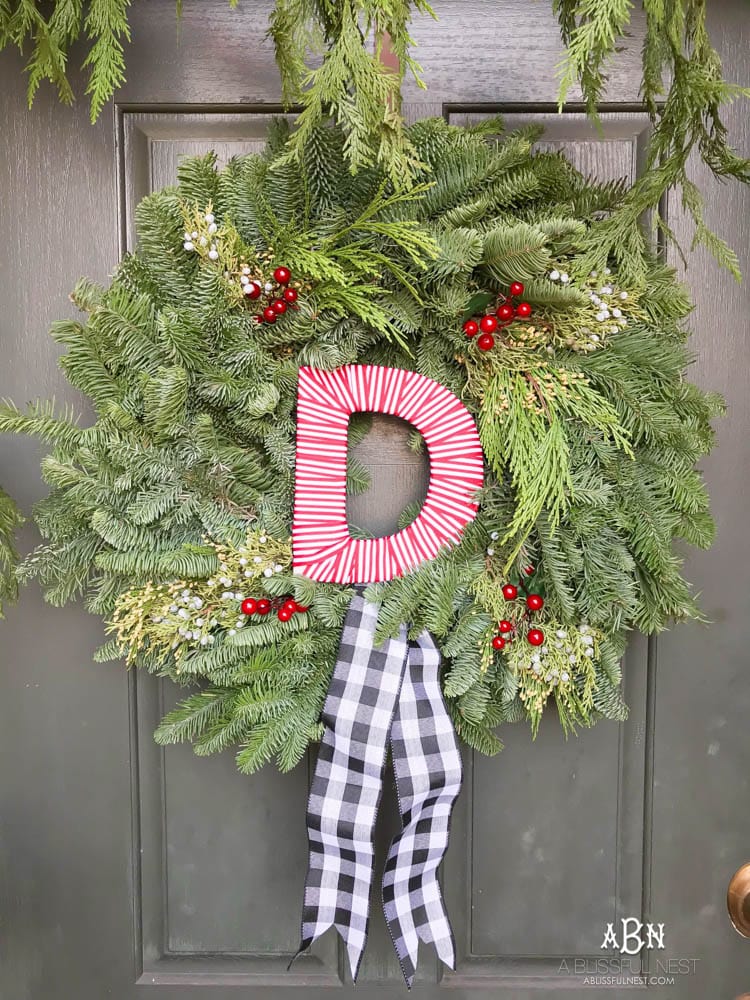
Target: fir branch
<point x="10" y="521"/>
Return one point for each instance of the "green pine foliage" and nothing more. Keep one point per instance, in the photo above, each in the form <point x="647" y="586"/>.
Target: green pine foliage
<point x="589" y="425"/>
<point x="684" y="92"/>
<point x="10" y="521"/>
<point x="682" y="86"/>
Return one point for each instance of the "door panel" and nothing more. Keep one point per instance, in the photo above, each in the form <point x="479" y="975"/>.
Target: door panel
<point x="126" y="867"/>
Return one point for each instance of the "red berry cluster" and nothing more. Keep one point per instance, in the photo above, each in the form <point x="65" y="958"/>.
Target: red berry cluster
<point x="284" y="608"/>
<point x="533" y="602"/>
<point x="504" y="314"/>
<point x="278" y="299"/>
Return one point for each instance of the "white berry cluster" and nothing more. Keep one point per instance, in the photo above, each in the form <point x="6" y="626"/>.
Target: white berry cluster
<point x="608" y="304"/>
<point x="201" y="239"/>
<point x="604" y="299"/>
<point x="563" y="663"/>
<point x="188" y="614"/>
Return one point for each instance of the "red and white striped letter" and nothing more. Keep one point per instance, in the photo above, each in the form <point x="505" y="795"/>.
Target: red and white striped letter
<point x="322" y="546"/>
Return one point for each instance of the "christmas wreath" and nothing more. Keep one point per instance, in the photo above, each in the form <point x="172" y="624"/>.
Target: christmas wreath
<point x="172" y="512"/>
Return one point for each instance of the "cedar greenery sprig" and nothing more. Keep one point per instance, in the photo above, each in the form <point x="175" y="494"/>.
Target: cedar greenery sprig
<point x="686" y="114"/>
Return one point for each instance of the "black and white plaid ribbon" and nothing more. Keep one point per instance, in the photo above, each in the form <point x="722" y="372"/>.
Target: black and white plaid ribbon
<point x="389" y="693"/>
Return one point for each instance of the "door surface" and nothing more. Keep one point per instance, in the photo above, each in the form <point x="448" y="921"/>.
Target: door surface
<point x="127" y="870"/>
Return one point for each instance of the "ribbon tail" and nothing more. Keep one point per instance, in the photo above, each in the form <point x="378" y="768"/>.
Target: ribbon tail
<point x="348" y="780"/>
<point x="427" y="765"/>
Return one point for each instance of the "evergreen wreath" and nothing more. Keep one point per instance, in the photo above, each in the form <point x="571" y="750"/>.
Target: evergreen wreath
<point x="171" y="513"/>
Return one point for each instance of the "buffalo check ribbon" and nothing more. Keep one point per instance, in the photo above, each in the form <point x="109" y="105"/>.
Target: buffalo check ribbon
<point x="379" y="696"/>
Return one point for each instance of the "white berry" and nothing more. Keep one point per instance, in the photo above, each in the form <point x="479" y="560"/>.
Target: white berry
<point x="209" y="217"/>
<point x="213" y="254"/>
<point x="268" y="571"/>
<point x="490" y="552"/>
<point x="554" y="275"/>
<point x="565" y="676"/>
<point x="189" y="245"/>
<point x="623" y="295"/>
<point x="212" y="228"/>
<point x="564" y="278"/>
<point x="494" y="535"/>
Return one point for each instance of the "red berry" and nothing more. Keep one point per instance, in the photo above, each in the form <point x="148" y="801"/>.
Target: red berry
<point x="534" y="602"/>
<point x="290" y="605"/>
<point x="258" y="319"/>
<point x="505" y="626"/>
<point x="523" y="309"/>
<point x="510" y="592"/>
<point x="264" y="606"/>
<point x="471" y="327"/>
<point x="302" y="608"/>
<point x="252" y="289"/>
<point x="535" y="636"/>
<point x="249" y="606"/>
<point x="284" y="614"/>
<point x="486" y="342"/>
<point x="498" y="642"/>
<point x="269" y="314"/>
<point x="529" y="570"/>
<point x="516" y="288"/>
<point x="505" y="312"/>
<point x="290" y="294"/>
<point x="282" y="275"/>
<point x="280" y="306"/>
<point x="488" y="324"/>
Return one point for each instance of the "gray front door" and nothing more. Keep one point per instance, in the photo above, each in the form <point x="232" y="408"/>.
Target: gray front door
<point x="126" y="869"/>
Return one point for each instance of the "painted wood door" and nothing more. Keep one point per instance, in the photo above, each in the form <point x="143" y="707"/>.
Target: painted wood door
<point x="126" y="870"/>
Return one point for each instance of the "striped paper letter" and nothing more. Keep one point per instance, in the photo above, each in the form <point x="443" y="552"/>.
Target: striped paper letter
<point x="322" y="546"/>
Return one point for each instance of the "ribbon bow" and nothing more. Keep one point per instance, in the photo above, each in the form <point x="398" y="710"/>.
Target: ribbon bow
<point x="380" y="695"/>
